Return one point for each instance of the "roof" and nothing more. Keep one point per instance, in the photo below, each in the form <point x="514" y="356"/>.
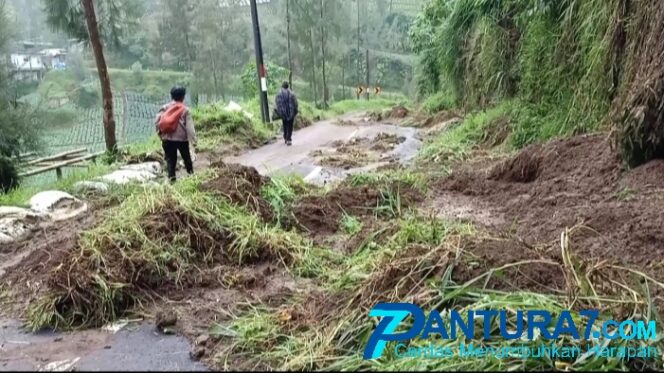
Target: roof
<point x="53" y="52"/>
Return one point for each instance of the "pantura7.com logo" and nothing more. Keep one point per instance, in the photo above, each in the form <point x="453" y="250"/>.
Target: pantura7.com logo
<point x="527" y="325"/>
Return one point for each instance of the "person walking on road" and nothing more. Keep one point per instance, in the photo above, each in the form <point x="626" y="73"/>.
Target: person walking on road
<point x="287" y="109"/>
<point x="176" y="130"/>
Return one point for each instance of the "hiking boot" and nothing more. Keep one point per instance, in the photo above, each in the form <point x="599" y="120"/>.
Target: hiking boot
<point x="289" y="143"/>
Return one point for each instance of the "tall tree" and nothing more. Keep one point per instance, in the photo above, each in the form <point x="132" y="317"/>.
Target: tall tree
<point x="220" y="37"/>
<point x="104" y="78"/>
<point x="80" y="20"/>
<point x="176" y="28"/>
<point x="20" y="127"/>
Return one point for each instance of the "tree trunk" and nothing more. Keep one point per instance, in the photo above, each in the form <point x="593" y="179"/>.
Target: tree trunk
<point x="104" y="79"/>
<point x="290" y="56"/>
<point x="322" y="46"/>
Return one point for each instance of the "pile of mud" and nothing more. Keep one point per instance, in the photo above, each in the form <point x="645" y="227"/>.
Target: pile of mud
<point x="577" y="182"/>
<point x="241" y="185"/>
<point x="321" y="215"/>
<point x="359" y="152"/>
<point x="399" y="112"/>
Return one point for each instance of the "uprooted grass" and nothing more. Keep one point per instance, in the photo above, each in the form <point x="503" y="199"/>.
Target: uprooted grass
<point x="328" y="330"/>
<point x="219" y="126"/>
<point x="158" y="239"/>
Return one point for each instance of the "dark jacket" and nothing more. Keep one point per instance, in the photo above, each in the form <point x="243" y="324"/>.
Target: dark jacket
<point x="287" y="106"/>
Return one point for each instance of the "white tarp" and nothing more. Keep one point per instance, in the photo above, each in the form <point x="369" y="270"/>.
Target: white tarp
<point x="123" y="177"/>
<point x="151" y="167"/>
<point x="91" y="186"/>
<point x="57" y="205"/>
<point x="15" y="222"/>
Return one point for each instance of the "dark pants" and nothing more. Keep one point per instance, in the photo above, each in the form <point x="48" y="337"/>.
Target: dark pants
<point x="171" y="149"/>
<point x="288" y="129"/>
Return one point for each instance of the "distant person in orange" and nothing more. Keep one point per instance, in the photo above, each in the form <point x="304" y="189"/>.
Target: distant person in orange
<point x="287" y="109"/>
<point x="176" y="130"/>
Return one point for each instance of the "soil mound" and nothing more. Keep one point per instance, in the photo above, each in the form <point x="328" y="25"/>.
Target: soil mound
<point x="241" y="185"/>
<point x="321" y="214"/>
<point x="647" y="176"/>
<point x="524" y="168"/>
<point x="579" y="184"/>
<point x="537" y="272"/>
<point x="386" y="142"/>
<point x="399" y="112"/>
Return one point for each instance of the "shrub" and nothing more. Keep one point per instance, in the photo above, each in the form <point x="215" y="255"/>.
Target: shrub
<point x="8" y="175"/>
<point x="443" y="100"/>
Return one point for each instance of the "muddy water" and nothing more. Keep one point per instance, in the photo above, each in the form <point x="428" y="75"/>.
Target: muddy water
<point x="135" y="348"/>
<point x="276" y="159"/>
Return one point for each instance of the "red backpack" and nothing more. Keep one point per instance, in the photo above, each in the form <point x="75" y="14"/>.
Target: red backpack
<point x="170" y="119"/>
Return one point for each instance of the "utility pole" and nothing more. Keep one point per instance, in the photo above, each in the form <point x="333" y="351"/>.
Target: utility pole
<point x="260" y="66"/>
<point x="290" y="57"/>
<point x="368" y="75"/>
<point x="359" y="58"/>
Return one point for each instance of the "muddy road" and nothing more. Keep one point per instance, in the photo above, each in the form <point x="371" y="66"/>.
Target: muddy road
<point x="327" y="151"/>
<point x="320" y="153"/>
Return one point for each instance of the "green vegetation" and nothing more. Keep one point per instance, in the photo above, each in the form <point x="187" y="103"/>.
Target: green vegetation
<point x="8" y="176"/>
<point x="218" y="126"/>
<point x="351" y="225"/>
<point x="456" y="143"/>
<point x="564" y="67"/>
<point x="440" y="101"/>
<point x="150" y="83"/>
<point x="64" y="85"/>
<point x="21" y="196"/>
<point x="281" y="192"/>
<point x="348" y="106"/>
<point x="195" y="221"/>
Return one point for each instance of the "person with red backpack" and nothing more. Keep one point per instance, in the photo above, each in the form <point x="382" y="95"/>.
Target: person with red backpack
<point x="176" y="130"/>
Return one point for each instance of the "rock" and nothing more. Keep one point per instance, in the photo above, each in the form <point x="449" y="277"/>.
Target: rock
<point x="91" y="187"/>
<point x="166" y="319"/>
<point x="123" y="177"/>
<point x="57" y="205"/>
<point x="60" y="366"/>
<point x="399" y="112"/>
<point x="202" y="340"/>
<point x="151" y="167"/>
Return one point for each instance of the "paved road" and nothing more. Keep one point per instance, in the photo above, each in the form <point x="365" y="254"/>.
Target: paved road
<point x="279" y="159"/>
<point x="135" y="348"/>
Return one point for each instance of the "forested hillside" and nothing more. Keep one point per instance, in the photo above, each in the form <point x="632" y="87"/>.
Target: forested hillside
<point x="554" y="68"/>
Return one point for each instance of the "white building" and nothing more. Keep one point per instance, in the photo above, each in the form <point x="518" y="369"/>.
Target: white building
<point x="55" y="59"/>
<point x="27" y="66"/>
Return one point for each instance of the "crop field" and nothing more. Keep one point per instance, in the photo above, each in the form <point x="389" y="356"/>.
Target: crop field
<point x="134" y="118"/>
